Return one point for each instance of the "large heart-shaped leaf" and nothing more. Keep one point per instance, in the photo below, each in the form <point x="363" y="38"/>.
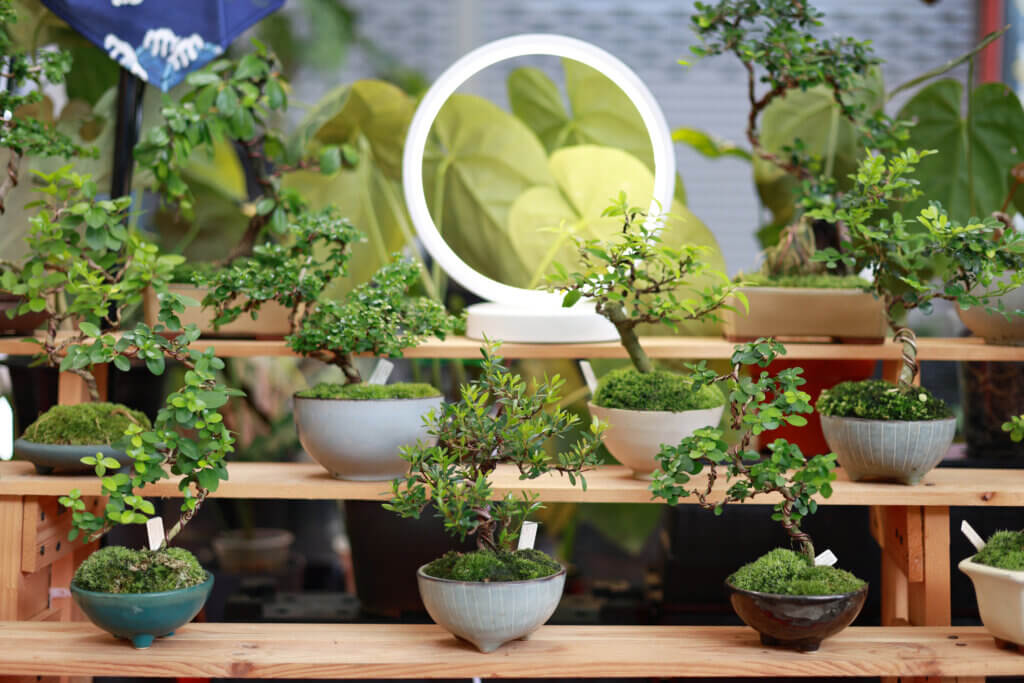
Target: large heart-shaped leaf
<point x="970" y="183"/>
<point x="479" y="161"/>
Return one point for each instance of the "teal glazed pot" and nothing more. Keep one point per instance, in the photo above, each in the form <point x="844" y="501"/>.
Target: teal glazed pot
<point x="141" y="617"/>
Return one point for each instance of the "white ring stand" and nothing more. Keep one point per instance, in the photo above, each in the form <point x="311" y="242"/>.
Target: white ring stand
<point x="516" y="314"/>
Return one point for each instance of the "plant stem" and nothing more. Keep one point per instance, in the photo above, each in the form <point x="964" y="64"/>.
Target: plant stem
<point x="11" y="181"/>
<point x="951" y="64"/>
<point x="908" y="371"/>
<point x="627" y="334"/>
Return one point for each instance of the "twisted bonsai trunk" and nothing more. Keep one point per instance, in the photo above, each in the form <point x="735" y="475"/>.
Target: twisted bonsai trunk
<point x="908" y="370"/>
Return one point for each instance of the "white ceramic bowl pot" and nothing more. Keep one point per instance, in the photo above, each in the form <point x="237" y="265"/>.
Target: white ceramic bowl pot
<point x="360" y="439"/>
<point x="1000" y="594"/>
<point x="490" y="614"/>
<point x="900" y="451"/>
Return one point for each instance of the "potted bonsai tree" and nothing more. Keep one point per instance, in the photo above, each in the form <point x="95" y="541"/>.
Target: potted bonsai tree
<point x="143" y="594"/>
<point x="636" y="279"/>
<point x="496" y="593"/>
<point x="898" y="432"/>
<point x="354" y="429"/>
<point x="997" y="572"/>
<point x="783" y="595"/>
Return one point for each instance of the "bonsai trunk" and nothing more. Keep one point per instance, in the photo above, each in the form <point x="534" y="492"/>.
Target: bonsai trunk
<point x="485" y="530"/>
<point x="627" y="334"/>
<point x="908" y="370"/>
<point x="347" y="364"/>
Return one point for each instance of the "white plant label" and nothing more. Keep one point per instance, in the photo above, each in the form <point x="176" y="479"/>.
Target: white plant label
<point x="527" y="535"/>
<point x="826" y="559"/>
<point x="588" y="376"/>
<point x="6" y="430"/>
<point x="155" y="531"/>
<point x="381" y="372"/>
<point x="972" y="535"/>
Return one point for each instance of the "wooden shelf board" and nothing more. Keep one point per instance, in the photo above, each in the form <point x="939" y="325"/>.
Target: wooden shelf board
<point x="607" y="484"/>
<point x="426" y="651"/>
<point x="965" y="349"/>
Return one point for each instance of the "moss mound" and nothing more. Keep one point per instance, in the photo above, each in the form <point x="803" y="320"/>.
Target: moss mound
<point x="484" y="565"/>
<point x="368" y="392"/>
<point x="85" y="424"/>
<point x="876" y="399"/>
<point x="1004" y="550"/>
<point x="116" y="569"/>
<point x="812" y="281"/>
<point x="785" y="572"/>
<point x="628" y="389"/>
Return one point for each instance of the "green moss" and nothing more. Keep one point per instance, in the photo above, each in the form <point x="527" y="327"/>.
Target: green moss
<point x="1004" y="550"/>
<point x="116" y="569"/>
<point x="366" y="392"/>
<point x="786" y="572"/>
<point x="84" y="424"/>
<point x="484" y="565"/>
<point x="659" y="390"/>
<point x="809" y="281"/>
<point x="875" y="399"/>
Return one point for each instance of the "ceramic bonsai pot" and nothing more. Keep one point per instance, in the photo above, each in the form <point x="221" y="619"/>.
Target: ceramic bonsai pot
<point x="63" y="458"/>
<point x="634" y="437"/>
<point x="994" y="327"/>
<point x="490" y="614"/>
<point x="141" y="617"/>
<point x="360" y="439"/>
<point x="272" y="323"/>
<point x="256" y="551"/>
<point x="26" y="323"/>
<point x="799" y="622"/>
<point x="845" y="314"/>
<point x="1000" y="594"/>
<point x="888" y="450"/>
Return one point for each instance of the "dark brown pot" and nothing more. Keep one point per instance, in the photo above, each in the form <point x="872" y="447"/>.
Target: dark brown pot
<point x="26" y="323"/>
<point x="799" y="622"/>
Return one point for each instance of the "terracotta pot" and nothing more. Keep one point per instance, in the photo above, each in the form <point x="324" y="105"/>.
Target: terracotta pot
<point x="844" y="314"/>
<point x="799" y="622"/>
<point x="24" y="324"/>
<point x="272" y="322"/>
<point x="1000" y="594"/>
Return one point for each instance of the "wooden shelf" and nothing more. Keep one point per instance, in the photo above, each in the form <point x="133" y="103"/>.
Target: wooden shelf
<point x="961" y="348"/>
<point x="426" y="651"/>
<point x="607" y="484"/>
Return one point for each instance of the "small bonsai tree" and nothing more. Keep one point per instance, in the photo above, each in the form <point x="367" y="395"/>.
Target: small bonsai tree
<point x="500" y="420"/>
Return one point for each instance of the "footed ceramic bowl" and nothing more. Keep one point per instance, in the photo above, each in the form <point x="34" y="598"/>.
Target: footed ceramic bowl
<point x="888" y="450"/>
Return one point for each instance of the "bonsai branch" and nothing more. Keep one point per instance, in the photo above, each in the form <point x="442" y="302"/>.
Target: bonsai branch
<point x="11" y="180"/>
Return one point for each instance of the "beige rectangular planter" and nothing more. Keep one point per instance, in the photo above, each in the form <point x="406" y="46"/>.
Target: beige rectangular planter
<point x="841" y="314"/>
<point x="272" y="321"/>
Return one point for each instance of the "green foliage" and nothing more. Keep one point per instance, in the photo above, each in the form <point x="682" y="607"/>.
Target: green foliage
<point x="116" y="569"/>
<point x="813" y="281"/>
<point x="487" y="565"/>
<point x="1015" y="427"/>
<point x="628" y="389"/>
<point x="875" y="399"/>
<point x="369" y="392"/>
<point x="758" y="403"/>
<point x="784" y="572"/>
<point x="85" y="424"/>
<point x="498" y="420"/>
<point x="1005" y="550"/>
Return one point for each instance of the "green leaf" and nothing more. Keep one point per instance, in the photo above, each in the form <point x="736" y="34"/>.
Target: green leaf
<point x="89" y="329"/>
<point x="708" y="145"/>
<point x="330" y="159"/>
<point x="95" y="217"/>
<point x="227" y="101"/>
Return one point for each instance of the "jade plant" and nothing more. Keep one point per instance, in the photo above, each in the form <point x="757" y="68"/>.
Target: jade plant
<point x="500" y="420"/>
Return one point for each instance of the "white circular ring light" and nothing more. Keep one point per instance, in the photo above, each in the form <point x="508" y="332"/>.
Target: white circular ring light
<point x="456" y="75"/>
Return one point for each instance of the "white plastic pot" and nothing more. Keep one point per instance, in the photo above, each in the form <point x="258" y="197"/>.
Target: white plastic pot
<point x="1000" y="594"/>
<point x="635" y="437"/>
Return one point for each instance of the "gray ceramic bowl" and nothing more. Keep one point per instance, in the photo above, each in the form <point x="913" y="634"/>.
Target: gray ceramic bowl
<point x="63" y="458"/>
<point x="888" y="450"/>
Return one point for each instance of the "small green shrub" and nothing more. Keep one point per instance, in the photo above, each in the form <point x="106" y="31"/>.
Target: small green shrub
<point x="786" y="572"/>
<point x="485" y="565"/>
<point x="1004" y="550"/>
<point x="116" y="569"/>
<point x="361" y="392"/>
<point x="628" y="389"/>
<point x="875" y="399"/>
<point x="84" y="424"/>
<point x="808" y="281"/>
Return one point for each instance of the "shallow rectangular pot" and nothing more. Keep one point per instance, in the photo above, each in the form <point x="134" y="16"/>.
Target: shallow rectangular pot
<point x="843" y="314"/>
<point x="272" y="321"/>
<point x="1000" y="595"/>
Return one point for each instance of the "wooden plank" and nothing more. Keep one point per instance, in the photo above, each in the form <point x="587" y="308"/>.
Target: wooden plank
<point x="426" y="651"/>
<point x="33" y="594"/>
<point x="897" y="529"/>
<point x="929" y="598"/>
<point x="10" y="558"/>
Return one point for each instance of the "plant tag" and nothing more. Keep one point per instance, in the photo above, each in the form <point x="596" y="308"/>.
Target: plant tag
<point x="155" y="531"/>
<point x="527" y="535"/>
<point x="588" y="376"/>
<point x="972" y="535"/>
<point x="58" y="593"/>
<point x="6" y="429"/>
<point x="381" y="372"/>
<point x="826" y="559"/>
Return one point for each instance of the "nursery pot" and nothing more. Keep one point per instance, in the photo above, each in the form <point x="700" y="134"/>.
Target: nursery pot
<point x="360" y="439"/>
<point x="634" y="437"/>
<point x="272" y="321"/>
<point x="799" y="622"/>
<point x="141" y="617"/>
<point x="64" y="458"/>
<point x="26" y="323"/>
<point x="253" y="551"/>
<point x="888" y="450"/>
<point x="490" y="614"/>
<point x="1000" y="594"/>
<point x="994" y="327"/>
<point x="845" y="314"/>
